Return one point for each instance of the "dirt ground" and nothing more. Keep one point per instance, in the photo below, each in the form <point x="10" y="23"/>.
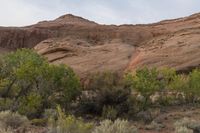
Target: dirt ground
<point x="167" y="117"/>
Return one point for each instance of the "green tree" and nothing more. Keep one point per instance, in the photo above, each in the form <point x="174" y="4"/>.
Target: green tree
<point x="146" y="82"/>
<point x="180" y="83"/>
<point x="32" y="83"/>
<point x="188" y="84"/>
<point x="166" y="75"/>
<point x="194" y="82"/>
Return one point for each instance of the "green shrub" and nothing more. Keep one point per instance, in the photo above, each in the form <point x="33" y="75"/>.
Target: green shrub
<point x="194" y="82"/>
<point x="105" y="79"/>
<point x="188" y="84"/>
<point x="146" y="82"/>
<point x="32" y="84"/>
<point x="68" y="124"/>
<point x="6" y="103"/>
<point x="133" y="109"/>
<point x="109" y="113"/>
<point x="149" y="82"/>
<point x="179" y="83"/>
<point x="65" y="83"/>
<point x="30" y="105"/>
<point x="165" y="76"/>
<point x="166" y="100"/>
<point x="12" y="120"/>
<point x="39" y="122"/>
<point x="49" y="113"/>
<point x="118" y="126"/>
<point x="107" y="89"/>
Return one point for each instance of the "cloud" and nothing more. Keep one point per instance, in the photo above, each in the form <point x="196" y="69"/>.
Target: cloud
<point x="21" y="12"/>
<point x="26" y="12"/>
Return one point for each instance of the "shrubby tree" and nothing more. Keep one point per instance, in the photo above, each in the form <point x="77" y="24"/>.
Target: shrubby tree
<point x="187" y="84"/>
<point x="166" y="75"/>
<point x="194" y="82"/>
<point x="33" y="84"/>
<point x="179" y="83"/>
<point x="110" y="95"/>
<point x="146" y="82"/>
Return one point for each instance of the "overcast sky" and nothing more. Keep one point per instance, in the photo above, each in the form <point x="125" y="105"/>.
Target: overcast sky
<point x="26" y="12"/>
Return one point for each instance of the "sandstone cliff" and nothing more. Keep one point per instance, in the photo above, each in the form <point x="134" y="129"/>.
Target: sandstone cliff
<point x="87" y="46"/>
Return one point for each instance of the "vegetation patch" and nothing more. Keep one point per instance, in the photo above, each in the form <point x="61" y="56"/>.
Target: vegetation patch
<point x="31" y="90"/>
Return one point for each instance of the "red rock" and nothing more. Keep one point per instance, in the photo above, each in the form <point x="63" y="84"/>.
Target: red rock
<point x="88" y="47"/>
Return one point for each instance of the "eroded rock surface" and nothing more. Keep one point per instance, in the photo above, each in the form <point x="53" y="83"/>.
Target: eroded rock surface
<point x="88" y="47"/>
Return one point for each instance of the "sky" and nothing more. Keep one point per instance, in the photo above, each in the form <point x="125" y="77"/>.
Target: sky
<point x="27" y="12"/>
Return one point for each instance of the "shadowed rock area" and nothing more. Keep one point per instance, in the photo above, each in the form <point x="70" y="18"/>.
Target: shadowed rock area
<point x="88" y="47"/>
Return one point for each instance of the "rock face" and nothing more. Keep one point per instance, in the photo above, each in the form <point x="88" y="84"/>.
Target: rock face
<point x="88" y="47"/>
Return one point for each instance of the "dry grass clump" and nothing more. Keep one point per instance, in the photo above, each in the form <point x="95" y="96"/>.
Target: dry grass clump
<point x="12" y="120"/>
<point x="186" y="125"/>
<point x="68" y="124"/>
<point x="118" y="126"/>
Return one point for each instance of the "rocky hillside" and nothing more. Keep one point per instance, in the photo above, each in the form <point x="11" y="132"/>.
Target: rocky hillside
<point x="87" y="46"/>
